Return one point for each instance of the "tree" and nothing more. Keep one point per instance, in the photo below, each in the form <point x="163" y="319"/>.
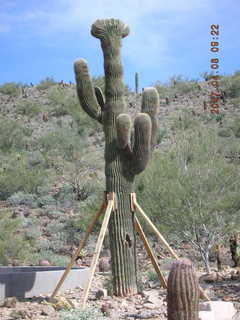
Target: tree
<point x="126" y="152"/>
<point x="194" y="191"/>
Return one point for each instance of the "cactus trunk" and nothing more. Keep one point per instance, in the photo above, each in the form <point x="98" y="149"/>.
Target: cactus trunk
<point x="127" y="151"/>
<point x="121" y="225"/>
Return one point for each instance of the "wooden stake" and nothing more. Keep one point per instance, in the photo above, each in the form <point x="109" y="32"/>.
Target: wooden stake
<point x="77" y="253"/>
<point x="150" y="254"/>
<point x="98" y="249"/>
<point x="174" y="255"/>
<point x="161" y="238"/>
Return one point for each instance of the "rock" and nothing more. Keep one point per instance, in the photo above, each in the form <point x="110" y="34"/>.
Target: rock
<point x="10" y="302"/>
<point x="44" y="263"/>
<point x="106" y="308"/>
<point x="216" y="310"/>
<point x="152" y="296"/>
<point x="211" y="277"/>
<point x="104" y="264"/>
<point x="101" y="293"/>
<point x="149" y="306"/>
<point x="206" y="315"/>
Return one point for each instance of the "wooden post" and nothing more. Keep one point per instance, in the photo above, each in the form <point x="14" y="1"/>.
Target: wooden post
<point x="77" y="253"/>
<point x="174" y="255"/>
<point x="161" y="238"/>
<point x="150" y="254"/>
<point x="98" y="249"/>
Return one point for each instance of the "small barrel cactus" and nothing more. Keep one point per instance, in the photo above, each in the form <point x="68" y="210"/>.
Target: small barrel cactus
<point x="183" y="291"/>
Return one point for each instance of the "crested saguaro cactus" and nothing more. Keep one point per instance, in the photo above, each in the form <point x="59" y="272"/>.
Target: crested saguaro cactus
<point x="127" y="147"/>
<point x="182" y="292"/>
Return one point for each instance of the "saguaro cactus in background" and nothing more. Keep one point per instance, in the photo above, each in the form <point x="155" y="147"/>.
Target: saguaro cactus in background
<point x="127" y="149"/>
<point x="136" y="82"/>
<point x="182" y="292"/>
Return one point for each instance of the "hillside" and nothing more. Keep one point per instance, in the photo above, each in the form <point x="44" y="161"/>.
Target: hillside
<point x="52" y="157"/>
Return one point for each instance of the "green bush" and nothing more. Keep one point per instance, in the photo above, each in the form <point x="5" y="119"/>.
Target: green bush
<point x="64" y="141"/>
<point x="12" y="135"/>
<point x="13" y="246"/>
<point x="162" y="133"/>
<point x="28" y="108"/>
<point x="21" y="198"/>
<point x="46" y="201"/>
<point x="53" y="258"/>
<point x="17" y="175"/>
<point x="10" y="88"/>
<point x="88" y="314"/>
<point x="46" y="83"/>
<point x="184" y="121"/>
<point x="64" y="102"/>
<point x="225" y="133"/>
<point x="163" y="90"/>
<point x="192" y="189"/>
<point x="235" y="126"/>
<point x="152" y="276"/>
<point x="231" y="85"/>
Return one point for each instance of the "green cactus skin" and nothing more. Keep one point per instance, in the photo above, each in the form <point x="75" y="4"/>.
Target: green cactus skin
<point x="136" y="82"/>
<point x="127" y="146"/>
<point x="183" y="291"/>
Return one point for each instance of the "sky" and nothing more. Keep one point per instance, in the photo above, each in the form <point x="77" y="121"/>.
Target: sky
<point x="43" y="38"/>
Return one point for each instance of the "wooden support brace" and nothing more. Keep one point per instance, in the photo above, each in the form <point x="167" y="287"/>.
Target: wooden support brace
<point x="77" y="253"/>
<point x="150" y="254"/>
<point x="98" y="248"/>
<point x="135" y="205"/>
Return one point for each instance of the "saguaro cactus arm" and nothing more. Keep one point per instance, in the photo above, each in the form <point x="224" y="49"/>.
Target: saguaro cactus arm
<point x="85" y="90"/>
<point x="142" y="142"/>
<point x="150" y="105"/>
<point x="123" y="126"/>
<point x="138" y="145"/>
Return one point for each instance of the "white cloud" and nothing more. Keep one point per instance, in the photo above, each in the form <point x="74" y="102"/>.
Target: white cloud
<point x="152" y="22"/>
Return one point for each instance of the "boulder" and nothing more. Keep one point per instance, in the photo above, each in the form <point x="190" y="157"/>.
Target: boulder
<point x="216" y="310"/>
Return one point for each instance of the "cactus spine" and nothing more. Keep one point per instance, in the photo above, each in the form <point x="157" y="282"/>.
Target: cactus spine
<point x="137" y="82"/>
<point x="183" y="291"/>
<point x="127" y="151"/>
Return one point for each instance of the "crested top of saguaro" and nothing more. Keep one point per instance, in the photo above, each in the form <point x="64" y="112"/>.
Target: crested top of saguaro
<point x="103" y="28"/>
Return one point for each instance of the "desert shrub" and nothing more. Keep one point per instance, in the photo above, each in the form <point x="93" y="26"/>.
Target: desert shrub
<point x="225" y="133"/>
<point x="12" y="135"/>
<point x="184" y="121"/>
<point x="13" y="246"/>
<point x="10" y="88"/>
<point x="152" y="276"/>
<point x="87" y="314"/>
<point x="181" y="85"/>
<point x="35" y="158"/>
<point x="191" y="191"/>
<point x="46" y="200"/>
<point x="236" y="102"/>
<point x="64" y="141"/>
<point x="162" y="133"/>
<point x="32" y="234"/>
<point x="65" y="102"/>
<point x="18" y="175"/>
<point x="53" y="258"/>
<point x="235" y="126"/>
<point x="28" y="108"/>
<point x="21" y="198"/>
<point x="164" y="90"/>
<point x="46" y="83"/>
<point x="231" y="85"/>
